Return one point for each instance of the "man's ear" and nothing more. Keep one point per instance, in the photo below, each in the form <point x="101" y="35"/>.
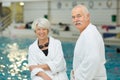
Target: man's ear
<point x="88" y="17"/>
<point x="48" y="31"/>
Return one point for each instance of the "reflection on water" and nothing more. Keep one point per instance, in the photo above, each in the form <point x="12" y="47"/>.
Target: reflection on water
<point x="16" y="57"/>
<point x="13" y="61"/>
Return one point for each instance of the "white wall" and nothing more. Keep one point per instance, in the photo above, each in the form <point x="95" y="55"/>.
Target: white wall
<point x="100" y="12"/>
<point x="33" y="10"/>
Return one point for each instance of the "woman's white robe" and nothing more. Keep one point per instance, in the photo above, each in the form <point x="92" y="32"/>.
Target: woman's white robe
<point x="89" y="56"/>
<point x="54" y="59"/>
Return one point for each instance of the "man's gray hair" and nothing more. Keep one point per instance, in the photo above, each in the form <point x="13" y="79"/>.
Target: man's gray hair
<point x="84" y="8"/>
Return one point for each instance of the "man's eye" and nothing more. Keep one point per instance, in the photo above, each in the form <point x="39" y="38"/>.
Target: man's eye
<point x="73" y="17"/>
<point x="78" y="16"/>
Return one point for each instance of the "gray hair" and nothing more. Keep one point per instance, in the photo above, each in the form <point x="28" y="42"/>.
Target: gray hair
<point x="84" y="8"/>
<point x="42" y="23"/>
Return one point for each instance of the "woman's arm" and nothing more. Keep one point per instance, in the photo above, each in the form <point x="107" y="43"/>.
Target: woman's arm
<point x="43" y="75"/>
<point x="43" y="66"/>
<point x="36" y="70"/>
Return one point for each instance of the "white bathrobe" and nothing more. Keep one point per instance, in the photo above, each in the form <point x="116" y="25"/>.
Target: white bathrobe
<point x="89" y="56"/>
<point x="55" y="60"/>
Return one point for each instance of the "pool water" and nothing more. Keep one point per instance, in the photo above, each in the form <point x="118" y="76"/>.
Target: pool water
<point x="13" y="59"/>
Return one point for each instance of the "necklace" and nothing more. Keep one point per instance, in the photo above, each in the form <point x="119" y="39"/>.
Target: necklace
<point x="45" y="45"/>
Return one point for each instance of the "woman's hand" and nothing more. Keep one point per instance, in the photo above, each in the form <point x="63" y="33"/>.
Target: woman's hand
<point x="33" y="67"/>
<point x="44" y="76"/>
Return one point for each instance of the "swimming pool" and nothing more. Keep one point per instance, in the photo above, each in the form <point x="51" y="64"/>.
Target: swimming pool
<point x="13" y="59"/>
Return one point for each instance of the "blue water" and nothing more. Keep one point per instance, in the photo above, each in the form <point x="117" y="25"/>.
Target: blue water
<point x="13" y="59"/>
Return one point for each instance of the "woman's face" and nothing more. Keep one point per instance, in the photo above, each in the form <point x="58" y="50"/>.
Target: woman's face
<point x="41" y="33"/>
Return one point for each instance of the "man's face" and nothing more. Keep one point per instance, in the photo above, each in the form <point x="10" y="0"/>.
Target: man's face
<point x="79" y="18"/>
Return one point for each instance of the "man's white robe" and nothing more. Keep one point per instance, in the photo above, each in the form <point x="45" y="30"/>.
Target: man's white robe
<point x="89" y="56"/>
<point x="54" y="59"/>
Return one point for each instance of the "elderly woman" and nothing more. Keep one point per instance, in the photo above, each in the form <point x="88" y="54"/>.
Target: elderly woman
<point x="45" y="57"/>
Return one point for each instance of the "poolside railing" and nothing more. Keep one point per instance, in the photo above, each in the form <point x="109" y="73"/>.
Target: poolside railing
<point x="5" y="21"/>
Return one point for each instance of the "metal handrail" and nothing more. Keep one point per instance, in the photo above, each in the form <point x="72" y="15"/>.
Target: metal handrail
<point x="5" y="22"/>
